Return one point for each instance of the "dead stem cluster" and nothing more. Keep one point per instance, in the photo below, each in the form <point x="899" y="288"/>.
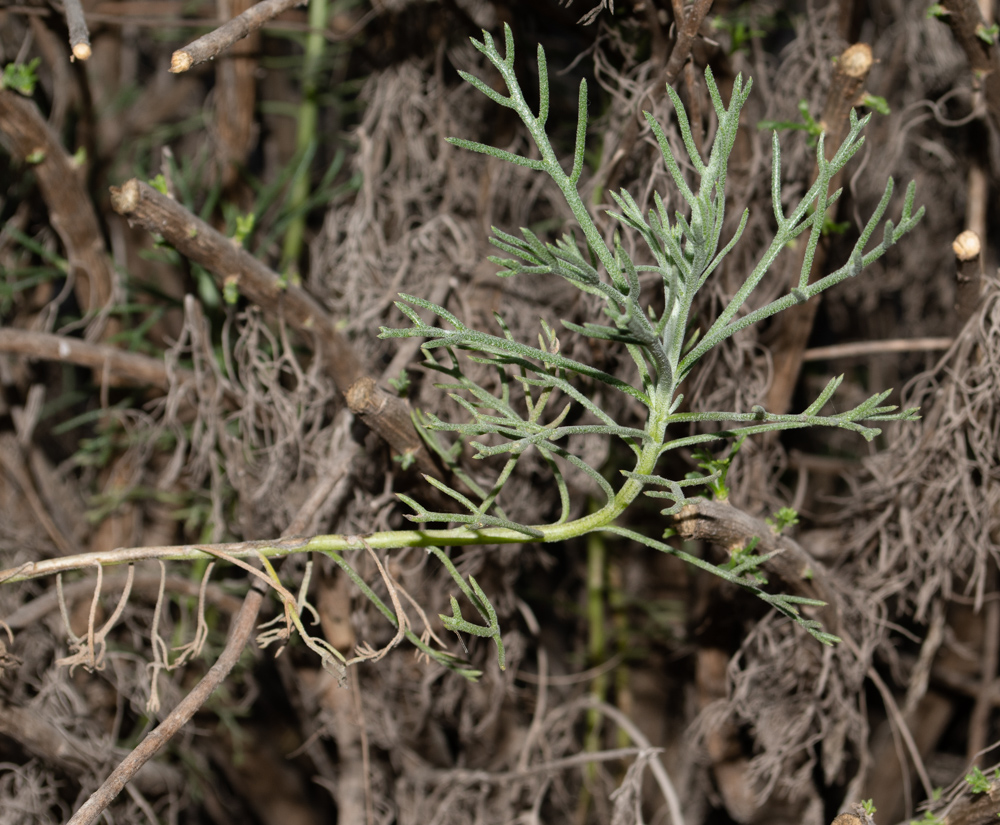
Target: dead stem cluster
<point x="740" y="717"/>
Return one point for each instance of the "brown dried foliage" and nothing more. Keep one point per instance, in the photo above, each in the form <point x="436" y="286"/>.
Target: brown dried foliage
<point x="755" y="722"/>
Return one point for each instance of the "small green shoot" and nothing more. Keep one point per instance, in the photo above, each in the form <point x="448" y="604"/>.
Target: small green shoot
<point x="785" y="517"/>
<point x="244" y="226"/>
<point x="231" y="289"/>
<point x="21" y="77"/>
<point x="159" y="183"/>
<point x="401" y="384"/>
<point x="808" y="124"/>
<point x="717" y="469"/>
<point x="988" y="34"/>
<point x="876" y="103"/>
<point x="979" y="782"/>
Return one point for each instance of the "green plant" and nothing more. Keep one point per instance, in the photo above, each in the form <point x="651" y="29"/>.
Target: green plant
<point x="536" y="386"/>
<point x="684" y="253"/>
<point x="21" y="77"/>
<point x="980" y="782"/>
<point x="988" y="34"/>
<point x="785" y="517"/>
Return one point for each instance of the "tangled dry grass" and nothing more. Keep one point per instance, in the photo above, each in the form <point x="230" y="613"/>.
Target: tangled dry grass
<point x="747" y="722"/>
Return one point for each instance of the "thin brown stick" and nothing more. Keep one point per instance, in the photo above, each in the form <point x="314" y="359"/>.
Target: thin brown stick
<point x="366" y="769"/>
<point x="157" y="213"/>
<point x="128" y="17"/>
<point x="900" y="724"/>
<point x="795" y="325"/>
<point x="113" y="362"/>
<point x="79" y="37"/>
<point x="983" y="708"/>
<point x="969" y="274"/>
<point x="467" y="776"/>
<point x="243" y="625"/>
<point x="26" y="134"/>
<point x="686" y="33"/>
<point x="216" y="42"/>
<point x="892" y="345"/>
<point x="967" y="23"/>
<point x="15" y="463"/>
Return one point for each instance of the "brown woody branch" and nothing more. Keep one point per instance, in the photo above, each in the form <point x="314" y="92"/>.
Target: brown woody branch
<point x="106" y="360"/>
<point x="979" y="809"/>
<point x="794" y="326"/>
<point x="216" y="42"/>
<point x="385" y="414"/>
<point x="967" y="25"/>
<point x="686" y="34"/>
<point x="969" y="274"/>
<point x="30" y="140"/>
<point x="79" y="37"/>
<point x="724" y="525"/>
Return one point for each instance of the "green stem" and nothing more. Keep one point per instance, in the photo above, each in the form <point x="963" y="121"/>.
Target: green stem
<point x="315" y="49"/>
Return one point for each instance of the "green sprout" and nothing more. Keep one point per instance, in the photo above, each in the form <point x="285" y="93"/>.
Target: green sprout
<point x="21" y="77"/>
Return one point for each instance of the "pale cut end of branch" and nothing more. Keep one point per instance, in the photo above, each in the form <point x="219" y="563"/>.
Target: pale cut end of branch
<point x="180" y="61"/>
<point x="856" y="61"/>
<point x="967" y="246"/>
<point x="125" y="198"/>
<point x="79" y="36"/>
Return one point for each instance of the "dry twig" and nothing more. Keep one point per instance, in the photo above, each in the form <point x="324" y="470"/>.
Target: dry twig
<point x="79" y="37"/>
<point x="686" y="33"/>
<point x="108" y="361"/>
<point x="387" y="415"/>
<point x="216" y="42"/>
<point x="967" y="24"/>
<point x="243" y="626"/>
<point x="969" y="264"/>
<point x="30" y="140"/>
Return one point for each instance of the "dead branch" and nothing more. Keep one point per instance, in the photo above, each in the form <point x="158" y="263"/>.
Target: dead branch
<point x="30" y="140"/>
<point x="109" y="362"/>
<point x="79" y="37"/>
<point x="216" y="42"/>
<point x="967" y="24"/>
<point x="969" y="274"/>
<point x="385" y="414"/>
<point x="686" y="33"/>
<point x="856" y="348"/>
<point x="978" y="809"/>
<point x="795" y="325"/>
<point x="243" y="625"/>
<point x="722" y="524"/>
